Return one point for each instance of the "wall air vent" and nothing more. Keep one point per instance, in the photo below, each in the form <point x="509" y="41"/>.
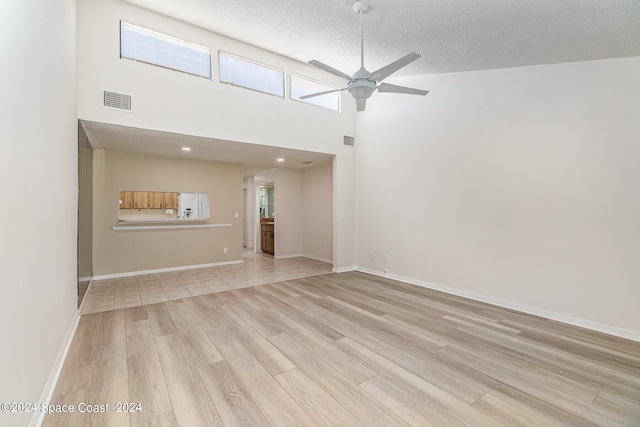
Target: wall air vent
<point x="117" y="101"/>
<point x="349" y="141"/>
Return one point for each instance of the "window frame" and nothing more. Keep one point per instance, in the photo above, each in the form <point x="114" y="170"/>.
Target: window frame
<point x="177" y="40"/>
<point x="320" y="83"/>
<point x="282" y="71"/>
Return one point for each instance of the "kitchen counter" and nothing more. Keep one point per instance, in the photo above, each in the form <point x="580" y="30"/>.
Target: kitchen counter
<point x="128" y="225"/>
<point x="163" y="221"/>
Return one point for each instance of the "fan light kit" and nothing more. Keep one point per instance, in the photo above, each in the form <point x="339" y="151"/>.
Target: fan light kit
<point x="363" y="83"/>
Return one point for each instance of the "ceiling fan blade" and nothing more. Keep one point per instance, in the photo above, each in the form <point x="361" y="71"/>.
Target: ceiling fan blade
<point x="311" y="95"/>
<point x="360" y="104"/>
<point x="329" y="69"/>
<point x="386" y="87"/>
<point x="387" y="70"/>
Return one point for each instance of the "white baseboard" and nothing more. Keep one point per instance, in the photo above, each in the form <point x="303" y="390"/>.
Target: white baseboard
<point x="575" y="321"/>
<point x="287" y="256"/>
<point x="85" y="279"/>
<point x="343" y="269"/>
<point x="165" y="270"/>
<point x="328" y="261"/>
<point x="47" y="394"/>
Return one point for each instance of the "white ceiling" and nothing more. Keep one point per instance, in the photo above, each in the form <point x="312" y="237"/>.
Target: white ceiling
<point x="451" y="36"/>
<point x="255" y="158"/>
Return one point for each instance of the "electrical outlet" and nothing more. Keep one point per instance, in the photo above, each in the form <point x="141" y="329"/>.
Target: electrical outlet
<point x="225" y="250"/>
<point x="386" y="258"/>
<point x="370" y="257"/>
<point x="168" y="211"/>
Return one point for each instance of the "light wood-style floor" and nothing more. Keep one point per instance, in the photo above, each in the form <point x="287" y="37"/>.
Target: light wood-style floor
<point x="344" y="349"/>
<point x="257" y="269"/>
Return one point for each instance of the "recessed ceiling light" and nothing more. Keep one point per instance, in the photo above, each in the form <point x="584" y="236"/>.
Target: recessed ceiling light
<point x="186" y="149"/>
<point x="280" y="159"/>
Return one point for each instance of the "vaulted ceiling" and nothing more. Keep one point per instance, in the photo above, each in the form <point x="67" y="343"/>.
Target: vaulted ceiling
<point x="451" y="35"/>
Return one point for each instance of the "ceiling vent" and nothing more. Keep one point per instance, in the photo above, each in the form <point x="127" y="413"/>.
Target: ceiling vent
<point x="117" y="101"/>
<point x="349" y="141"/>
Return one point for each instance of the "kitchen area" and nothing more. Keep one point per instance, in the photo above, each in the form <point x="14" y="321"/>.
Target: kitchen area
<point x="155" y="206"/>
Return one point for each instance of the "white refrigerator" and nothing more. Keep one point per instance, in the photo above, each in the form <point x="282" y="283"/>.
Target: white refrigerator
<point x="193" y="206"/>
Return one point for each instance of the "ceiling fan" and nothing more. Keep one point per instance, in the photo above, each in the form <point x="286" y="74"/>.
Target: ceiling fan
<point x="363" y="83"/>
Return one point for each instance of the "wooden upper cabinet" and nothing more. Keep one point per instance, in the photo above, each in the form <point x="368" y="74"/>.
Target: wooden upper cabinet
<point x="170" y="200"/>
<point x="156" y="200"/>
<point x="126" y="199"/>
<point x="148" y="200"/>
<point x="141" y="200"/>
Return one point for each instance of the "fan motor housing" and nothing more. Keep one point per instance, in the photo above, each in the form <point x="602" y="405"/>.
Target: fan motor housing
<point x="361" y="88"/>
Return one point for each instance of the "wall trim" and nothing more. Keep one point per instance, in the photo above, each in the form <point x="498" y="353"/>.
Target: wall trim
<point x="47" y="394"/>
<point x="304" y="256"/>
<point x="344" y="269"/>
<point x="165" y="270"/>
<point x="328" y="261"/>
<point x="288" y="256"/>
<point x="575" y="321"/>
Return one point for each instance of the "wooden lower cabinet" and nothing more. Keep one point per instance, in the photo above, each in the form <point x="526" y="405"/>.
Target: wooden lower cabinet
<point x="267" y="243"/>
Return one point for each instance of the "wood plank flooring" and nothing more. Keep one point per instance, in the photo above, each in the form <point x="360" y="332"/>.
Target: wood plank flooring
<point x="256" y="269"/>
<point x="344" y="349"/>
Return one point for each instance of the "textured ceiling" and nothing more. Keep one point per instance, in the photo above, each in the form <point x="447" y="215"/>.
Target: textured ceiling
<point x="451" y="35"/>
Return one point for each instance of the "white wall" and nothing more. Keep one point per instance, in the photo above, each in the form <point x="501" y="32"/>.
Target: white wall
<point x="38" y="173"/>
<point x="125" y="251"/>
<point x="344" y="210"/>
<point x="176" y="102"/>
<point x="518" y="185"/>
<point x="250" y="208"/>
<point x="288" y="203"/>
<point x="317" y="212"/>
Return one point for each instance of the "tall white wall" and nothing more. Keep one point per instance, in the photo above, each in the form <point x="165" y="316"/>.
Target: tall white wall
<point x="170" y="101"/>
<point x="519" y="186"/>
<point x="38" y="183"/>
